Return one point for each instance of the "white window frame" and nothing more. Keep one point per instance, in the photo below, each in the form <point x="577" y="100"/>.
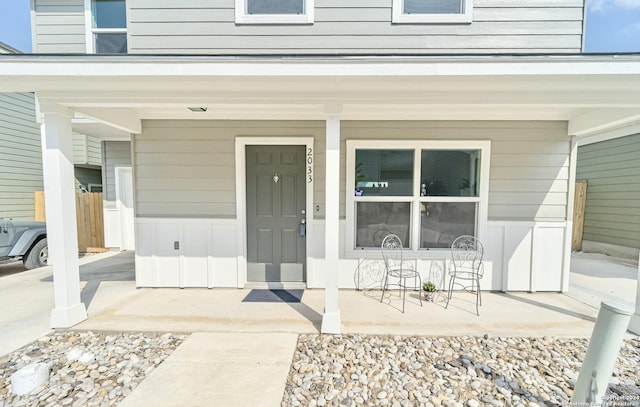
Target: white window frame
<point x="398" y="15"/>
<point x="90" y="30"/>
<point x="243" y="18"/>
<point x="414" y="251"/>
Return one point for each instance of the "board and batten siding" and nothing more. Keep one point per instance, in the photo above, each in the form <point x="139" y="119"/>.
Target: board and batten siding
<point x="59" y="26"/>
<point x="114" y="154"/>
<point x="355" y="27"/>
<point x="612" y="171"/>
<point x="20" y="156"/>
<point x="187" y="168"/>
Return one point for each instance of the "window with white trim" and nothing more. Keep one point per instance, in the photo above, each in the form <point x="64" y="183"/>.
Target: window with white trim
<point x="274" y="11"/>
<point x="432" y="11"/>
<point x="426" y="192"/>
<point x="107" y="26"/>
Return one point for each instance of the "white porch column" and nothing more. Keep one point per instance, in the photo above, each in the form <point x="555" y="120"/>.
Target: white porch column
<point x="331" y="316"/>
<point x="60" y="202"/>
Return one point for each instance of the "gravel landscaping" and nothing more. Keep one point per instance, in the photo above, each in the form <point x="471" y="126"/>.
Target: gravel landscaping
<point x="87" y="368"/>
<point x="101" y="369"/>
<point x="400" y="371"/>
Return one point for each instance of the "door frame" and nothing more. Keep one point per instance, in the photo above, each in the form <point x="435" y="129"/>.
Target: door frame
<point x="241" y="199"/>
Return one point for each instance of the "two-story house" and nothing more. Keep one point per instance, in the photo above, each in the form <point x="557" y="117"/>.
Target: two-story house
<point x="273" y="142"/>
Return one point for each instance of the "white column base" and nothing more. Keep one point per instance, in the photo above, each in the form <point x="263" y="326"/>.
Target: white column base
<point x="68" y="317"/>
<point x="331" y="323"/>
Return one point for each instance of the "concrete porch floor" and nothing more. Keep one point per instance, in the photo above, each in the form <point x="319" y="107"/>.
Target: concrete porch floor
<point x="113" y="303"/>
<point x="119" y="306"/>
<point x="229" y="336"/>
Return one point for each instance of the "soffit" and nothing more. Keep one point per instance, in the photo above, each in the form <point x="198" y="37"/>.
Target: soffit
<point x="531" y="88"/>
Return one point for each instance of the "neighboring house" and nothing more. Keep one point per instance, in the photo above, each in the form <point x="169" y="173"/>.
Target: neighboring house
<point x="251" y="124"/>
<point x="611" y="167"/>
<point x="21" y="155"/>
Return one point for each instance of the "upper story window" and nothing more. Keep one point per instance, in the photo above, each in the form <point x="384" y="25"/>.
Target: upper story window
<point x="432" y="11"/>
<point x="274" y="11"/>
<point x="107" y="26"/>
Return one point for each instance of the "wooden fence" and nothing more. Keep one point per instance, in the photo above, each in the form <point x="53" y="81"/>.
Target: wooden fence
<point x="89" y="217"/>
<point x="579" y="204"/>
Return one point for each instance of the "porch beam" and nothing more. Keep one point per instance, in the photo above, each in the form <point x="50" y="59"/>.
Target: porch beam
<point x="331" y="316"/>
<point x="60" y="204"/>
<point x="599" y="120"/>
<point x="120" y="118"/>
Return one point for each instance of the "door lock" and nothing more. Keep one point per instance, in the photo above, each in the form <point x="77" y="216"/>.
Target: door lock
<point x="303" y="228"/>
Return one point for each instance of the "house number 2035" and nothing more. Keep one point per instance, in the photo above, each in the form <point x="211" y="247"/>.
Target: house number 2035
<point x="309" y="165"/>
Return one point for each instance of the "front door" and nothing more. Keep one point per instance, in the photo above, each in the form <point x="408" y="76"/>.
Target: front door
<point x="276" y="202"/>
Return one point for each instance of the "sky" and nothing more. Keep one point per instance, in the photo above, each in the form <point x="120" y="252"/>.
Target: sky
<point x="612" y="25"/>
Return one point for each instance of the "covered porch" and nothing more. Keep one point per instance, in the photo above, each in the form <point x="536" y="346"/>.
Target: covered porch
<point x="590" y="93"/>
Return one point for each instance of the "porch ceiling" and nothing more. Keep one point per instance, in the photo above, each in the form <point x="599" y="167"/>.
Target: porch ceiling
<point x="592" y="93"/>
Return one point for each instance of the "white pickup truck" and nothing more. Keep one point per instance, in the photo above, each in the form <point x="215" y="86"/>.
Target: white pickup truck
<point x="24" y="241"/>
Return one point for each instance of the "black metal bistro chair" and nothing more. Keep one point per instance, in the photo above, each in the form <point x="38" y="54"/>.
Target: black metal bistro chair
<point x="466" y="267"/>
<point x="394" y="268"/>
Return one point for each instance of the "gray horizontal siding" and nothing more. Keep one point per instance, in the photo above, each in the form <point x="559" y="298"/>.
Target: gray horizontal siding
<point x="188" y="168"/>
<point x="79" y="142"/>
<point x="87" y="150"/>
<point x="20" y="156"/>
<point x="612" y="170"/>
<point x="529" y="172"/>
<point x="59" y="26"/>
<point x="94" y="151"/>
<point x="115" y="154"/>
<point x="352" y="26"/>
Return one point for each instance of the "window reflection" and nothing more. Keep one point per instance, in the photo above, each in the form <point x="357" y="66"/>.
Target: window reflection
<point x="442" y="222"/>
<point x="384" y="172"/>
<point x="107" y="43"/>
<point x="432" y="6"/>
<point x="449" y="173"/>
<point x="275" y="6"/>
<point x="109" y="14"/>
<point x="375" y="220"/>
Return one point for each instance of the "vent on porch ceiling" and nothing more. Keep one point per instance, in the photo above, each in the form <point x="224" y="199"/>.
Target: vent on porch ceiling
<point x="198" y="109"/>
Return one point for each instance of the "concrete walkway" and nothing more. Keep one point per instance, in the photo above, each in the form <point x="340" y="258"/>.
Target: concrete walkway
<point x="239" y="353"/>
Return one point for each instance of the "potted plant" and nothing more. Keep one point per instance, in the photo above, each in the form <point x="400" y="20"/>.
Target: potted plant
<point x="429" y="290"/>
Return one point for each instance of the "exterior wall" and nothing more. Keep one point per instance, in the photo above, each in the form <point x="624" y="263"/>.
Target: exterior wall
<point x="185" y="191"/>
<point x="59" y="26"/>
<point x="187" y="168"/>
<point x="529" y="172"/>
<point x="612" y="171"/>
<point x="350" y="27"/>
<point x="87" y="150"/>
<point x="355" y="27"/>
<point x="20" y="156"/>
<point x="115" y="154"/>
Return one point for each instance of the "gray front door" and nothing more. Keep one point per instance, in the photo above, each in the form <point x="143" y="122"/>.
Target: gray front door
<point x="276" y="202"/>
